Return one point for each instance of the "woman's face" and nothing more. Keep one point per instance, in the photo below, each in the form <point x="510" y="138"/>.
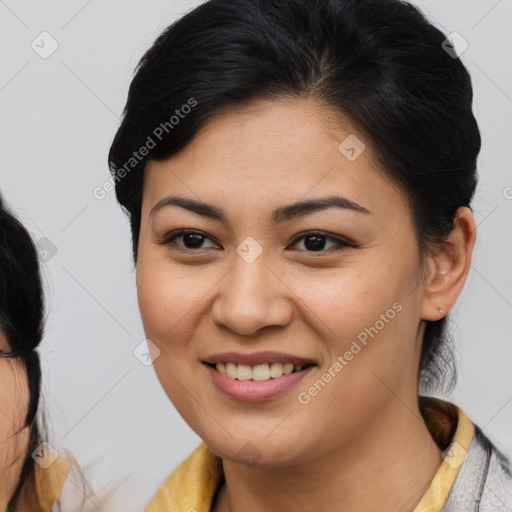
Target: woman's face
<point x="254" y="283"/>
<point x="14" y="435"/>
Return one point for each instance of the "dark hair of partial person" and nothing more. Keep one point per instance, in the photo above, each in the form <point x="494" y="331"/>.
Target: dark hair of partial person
<point x="22" y="319"/>
<point x="380" y="64"/>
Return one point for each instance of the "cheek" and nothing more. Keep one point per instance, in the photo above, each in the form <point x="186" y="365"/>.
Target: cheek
<point x="15" y="393"/>
<point x="14" y="406"/>
<point x="367" y="324"/>
<point x="170" y="299"/>
<point x="161" y="295"/>
<point x="348" y="300"/>
<point x="367" y="314"/>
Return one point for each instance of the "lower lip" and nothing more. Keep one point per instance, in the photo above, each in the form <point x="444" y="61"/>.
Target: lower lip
<point x="254" y="390"/>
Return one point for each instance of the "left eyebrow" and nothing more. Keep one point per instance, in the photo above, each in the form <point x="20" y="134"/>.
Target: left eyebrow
<point x="279" y="215"/>
<point x="301" y="208"/>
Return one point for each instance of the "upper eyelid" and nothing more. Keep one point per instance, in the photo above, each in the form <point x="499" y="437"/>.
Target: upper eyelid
<point x="300" y="236"/>
<point x="321" y="233"/>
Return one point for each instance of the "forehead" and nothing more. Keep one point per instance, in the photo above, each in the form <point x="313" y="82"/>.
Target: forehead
<point x="274" y="152"/>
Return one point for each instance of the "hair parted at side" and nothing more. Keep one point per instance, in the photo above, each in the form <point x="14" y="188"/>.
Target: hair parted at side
<point x="378" y="63"/>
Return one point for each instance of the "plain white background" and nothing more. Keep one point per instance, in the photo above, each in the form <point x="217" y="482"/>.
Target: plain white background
<point x="58" y="116"/>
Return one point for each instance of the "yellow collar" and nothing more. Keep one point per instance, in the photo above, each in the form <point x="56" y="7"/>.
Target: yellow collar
<point x="43" y="487"/>
<point x="436" y="495"/>
<point x="193" y="484"/>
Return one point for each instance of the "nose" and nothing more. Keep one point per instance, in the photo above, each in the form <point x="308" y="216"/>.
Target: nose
<point x="252" y="296"/>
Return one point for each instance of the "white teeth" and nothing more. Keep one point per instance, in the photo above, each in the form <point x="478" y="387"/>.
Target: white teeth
<point x="244" y="372"/>
<point x="276" y="370"/>
<point x="231" y="370"/>
<point x="259" y="372"/>
<point x="287" y="368"/>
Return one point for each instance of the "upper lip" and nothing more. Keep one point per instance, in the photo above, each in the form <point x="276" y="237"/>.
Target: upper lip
<point x="256" y="358"/>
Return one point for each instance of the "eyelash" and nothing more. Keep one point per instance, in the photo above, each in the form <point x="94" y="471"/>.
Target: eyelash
<point x="340" y="243"/>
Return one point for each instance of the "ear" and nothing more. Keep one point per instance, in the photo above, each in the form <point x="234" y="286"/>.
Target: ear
<point x="448" y="267"/>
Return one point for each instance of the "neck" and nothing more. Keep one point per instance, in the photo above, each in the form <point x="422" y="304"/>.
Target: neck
<point x="388" y="466"/>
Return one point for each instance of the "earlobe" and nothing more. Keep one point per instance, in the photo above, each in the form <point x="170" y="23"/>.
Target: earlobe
<point x="449" y="267"/>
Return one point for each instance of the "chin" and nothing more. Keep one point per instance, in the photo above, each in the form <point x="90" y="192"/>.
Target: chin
<point x="257" y="451"/>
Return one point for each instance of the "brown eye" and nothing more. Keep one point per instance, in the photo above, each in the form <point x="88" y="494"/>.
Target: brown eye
<point x="191" y="239"/>
<point x="315" y="241"/>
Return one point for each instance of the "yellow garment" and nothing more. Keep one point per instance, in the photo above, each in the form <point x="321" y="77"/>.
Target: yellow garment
<point x="193" y="484"/>
<point x="436" y="495"/>
<point x="44" y="486"/>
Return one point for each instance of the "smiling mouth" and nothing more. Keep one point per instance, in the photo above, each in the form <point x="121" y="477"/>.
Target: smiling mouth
<point x="259" y="372"/>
